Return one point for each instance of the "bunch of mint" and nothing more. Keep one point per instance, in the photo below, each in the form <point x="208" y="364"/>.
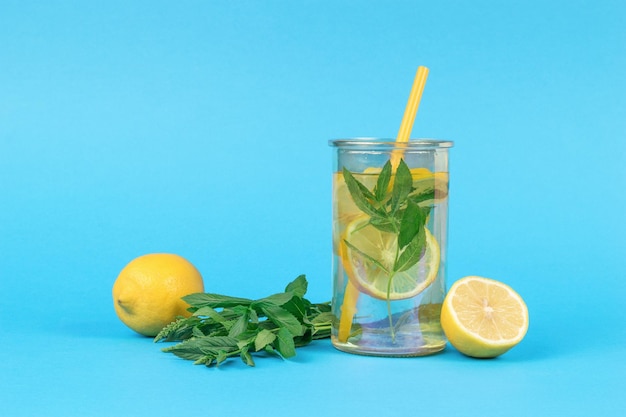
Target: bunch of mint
<point x="222" y="327"/>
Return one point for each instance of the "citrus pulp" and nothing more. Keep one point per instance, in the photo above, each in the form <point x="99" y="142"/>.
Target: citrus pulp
<point x="483" y="318"/>
<point x="377" y="248"/>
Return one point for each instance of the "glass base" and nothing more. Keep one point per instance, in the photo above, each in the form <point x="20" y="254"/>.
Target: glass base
<point x="389" y="350"/>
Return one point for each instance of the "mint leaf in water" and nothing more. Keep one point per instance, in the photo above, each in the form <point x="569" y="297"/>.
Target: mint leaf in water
<point x="410" y="224"/>
<point x="361" y="196"/>
<point x="402" y="211"/>
<point x="412" y="253"/>
<point x="401" y="186"/>
<point x="383" y="182"/>
<point x="398" y="211"/>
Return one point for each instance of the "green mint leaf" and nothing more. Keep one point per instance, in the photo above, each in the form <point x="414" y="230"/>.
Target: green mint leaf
<point x="298" y="286"/>
<point x="366" y="192"/>
<point x="365" y="255"/>
<point x="429" y="190"/>
<point x="223" y="327"/>
<point x="204" y="349"/>
<point x="326" y="317"/>
<point x="198" y="300"/>
<point x="298" y="307"/>
<point x="210" y="343"/>
<point x="246" y="357"/>
<point x="412" y="253"/>
<point x="423" y="191"/>
<point x="360" y="194"/>
<point x="402" y="186"/>
<point x="319" y="308"/>
<point x="385" y="224"/>
<point x="275" y="299"/>
<point x="205" y="360"/>
<point x="383" y="182"/>
<point x="196" y="332"/>
<point x="228" y="324"/>
<point x="209" y="312"/>
<point x="263" y="338"/>
<point x="283" y="319"/>
<point x="247" y="338"/>
<point x="426" y="212"/>
<point x="270" y="350"/>
<point x="240" y="325"/>
<point x="254" y="318"/>
<point x="410" y="224"/>
<point x="322" y="324"/>
<point x="221" y="356"/>
<point x="189" y="349"/>
<point x="284" y="343"/>
<point x="303" y="340"/>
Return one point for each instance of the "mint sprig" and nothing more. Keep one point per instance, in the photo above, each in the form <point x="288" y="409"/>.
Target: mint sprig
<point x="222" y="326"/>
<point x="402" y="211"/>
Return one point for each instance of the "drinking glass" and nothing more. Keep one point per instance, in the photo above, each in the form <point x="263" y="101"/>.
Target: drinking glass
<point x="390" y="218"/>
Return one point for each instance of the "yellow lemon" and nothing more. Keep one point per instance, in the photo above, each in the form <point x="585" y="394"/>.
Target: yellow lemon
<point x="483" y="318"/>
<point x="147" y="293"/>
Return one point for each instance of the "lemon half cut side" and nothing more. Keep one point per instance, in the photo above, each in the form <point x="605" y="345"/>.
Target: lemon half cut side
<point x="483" y="318"/>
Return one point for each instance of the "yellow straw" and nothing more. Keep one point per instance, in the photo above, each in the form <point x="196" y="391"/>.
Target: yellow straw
<point x="404" y="134"/>
<point x="348" y="310"/>
<point x="351" y="296"/>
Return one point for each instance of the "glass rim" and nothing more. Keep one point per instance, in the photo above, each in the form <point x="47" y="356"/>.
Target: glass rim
<point x="419" y="143"/>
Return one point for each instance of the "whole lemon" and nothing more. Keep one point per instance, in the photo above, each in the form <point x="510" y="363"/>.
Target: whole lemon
<point x="147" y="292"/>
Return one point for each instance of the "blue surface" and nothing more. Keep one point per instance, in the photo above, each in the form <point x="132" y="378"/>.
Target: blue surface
<point x="201" y="128"/>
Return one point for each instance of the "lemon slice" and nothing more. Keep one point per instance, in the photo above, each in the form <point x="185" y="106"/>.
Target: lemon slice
<point x="345" y="210"/>
<point x="420" y="172"/>
<point x="369" y="278"/>
<point x="483" y="318"/>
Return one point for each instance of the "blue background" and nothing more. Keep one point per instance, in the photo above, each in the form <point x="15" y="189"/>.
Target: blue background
<point x="201" y="128"/>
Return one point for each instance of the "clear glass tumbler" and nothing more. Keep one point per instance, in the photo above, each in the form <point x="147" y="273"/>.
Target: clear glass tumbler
<point x="390" y="216"/>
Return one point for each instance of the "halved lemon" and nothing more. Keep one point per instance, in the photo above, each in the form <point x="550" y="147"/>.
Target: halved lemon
<point x="483" y="318"/>
<point x="365" y="272"/>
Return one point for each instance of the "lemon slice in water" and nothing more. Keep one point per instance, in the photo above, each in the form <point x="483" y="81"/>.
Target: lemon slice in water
<point x="367" y="275"/>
